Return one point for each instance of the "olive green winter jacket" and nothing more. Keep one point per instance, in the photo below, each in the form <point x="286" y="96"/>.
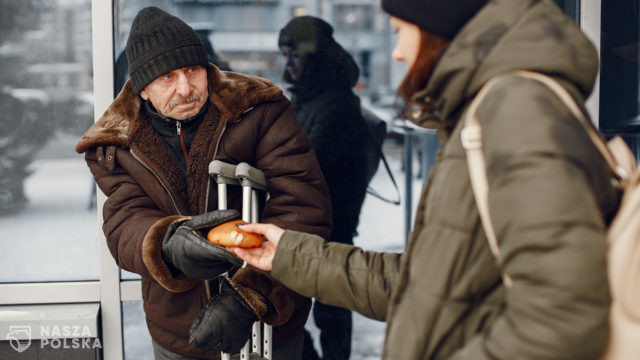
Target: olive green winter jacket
<point x="550" y="199"/>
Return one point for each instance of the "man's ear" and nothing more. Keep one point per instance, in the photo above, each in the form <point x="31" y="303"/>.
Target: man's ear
<point x="144" y="94"/>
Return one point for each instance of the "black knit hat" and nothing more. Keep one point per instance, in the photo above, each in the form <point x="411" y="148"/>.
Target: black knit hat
<point x="442" y="18"/>
<point x="159" y="43"/>
<point x="306" y="34"/>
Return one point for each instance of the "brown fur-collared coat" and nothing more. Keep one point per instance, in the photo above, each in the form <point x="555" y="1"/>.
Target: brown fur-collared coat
<point x="248" y="120"/>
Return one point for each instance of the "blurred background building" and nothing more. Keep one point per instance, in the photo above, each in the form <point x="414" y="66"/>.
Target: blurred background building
<point x="246" y="32"/>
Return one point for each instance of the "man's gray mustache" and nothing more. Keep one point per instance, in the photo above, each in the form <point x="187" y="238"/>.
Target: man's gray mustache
<point x="182" y="100"/>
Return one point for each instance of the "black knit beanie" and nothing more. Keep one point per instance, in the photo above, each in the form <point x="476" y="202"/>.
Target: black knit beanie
<point x="306" y="34"/>
<point x="442" y="18"/>
<point x="159" y="43"/>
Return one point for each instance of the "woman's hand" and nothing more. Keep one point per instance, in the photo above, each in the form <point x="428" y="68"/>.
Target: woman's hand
<point x="261" y="257"/>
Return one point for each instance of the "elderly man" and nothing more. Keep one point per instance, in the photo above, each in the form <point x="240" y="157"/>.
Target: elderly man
<point x="149" y="154"/>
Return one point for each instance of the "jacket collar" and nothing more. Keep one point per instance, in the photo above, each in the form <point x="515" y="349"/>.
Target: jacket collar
<point x="504" y="36"/>
<point x="152" y="112"/>
<point x="231" y="94"/>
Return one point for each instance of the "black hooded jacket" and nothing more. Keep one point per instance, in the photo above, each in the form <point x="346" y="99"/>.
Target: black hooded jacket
<point x="330" y="114"/>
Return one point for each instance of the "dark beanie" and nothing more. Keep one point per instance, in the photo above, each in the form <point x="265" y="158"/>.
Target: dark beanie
<point x="442" y="18"/>
<point x="159" y="43"/>
<point x="306" y="34"/>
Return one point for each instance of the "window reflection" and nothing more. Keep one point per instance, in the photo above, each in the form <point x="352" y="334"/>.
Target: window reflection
<point x="619" y="77"/>
<point x="571" y="8"/>
<point x="48" y="225"/>
<point x="354" y="17"/>
<point x="619" y="82"/>
<point x="244" y="34"/>
<point x="137" y="341"/>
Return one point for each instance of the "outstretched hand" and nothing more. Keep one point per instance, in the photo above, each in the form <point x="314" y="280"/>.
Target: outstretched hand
<point x="261" y="257"/>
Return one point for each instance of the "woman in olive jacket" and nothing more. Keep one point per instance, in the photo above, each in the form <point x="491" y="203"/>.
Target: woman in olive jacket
<point x="550" y="198"/>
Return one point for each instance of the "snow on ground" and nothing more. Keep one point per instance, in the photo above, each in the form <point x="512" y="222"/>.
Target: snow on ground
<point x="55" y="238"/>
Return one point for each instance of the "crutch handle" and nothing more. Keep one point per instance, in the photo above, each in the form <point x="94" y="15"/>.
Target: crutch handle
<point x="223" y="173"/>
<point x="250" y="176"/>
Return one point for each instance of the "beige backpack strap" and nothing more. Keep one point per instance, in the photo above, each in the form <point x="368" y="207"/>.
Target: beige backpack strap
<point x="471" y="136"/>
<point x="619" y="159"/>
<point x="570" y="103"/>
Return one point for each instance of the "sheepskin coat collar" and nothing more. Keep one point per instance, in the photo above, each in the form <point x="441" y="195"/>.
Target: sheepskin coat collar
<point x="124" y="125"/>
<point x="231" y="94"/>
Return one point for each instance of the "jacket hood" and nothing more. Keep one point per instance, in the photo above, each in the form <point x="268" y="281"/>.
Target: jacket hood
<point x="504" y="36"/>
<point x="332" y="67"/>
<point x="231" y="93"/>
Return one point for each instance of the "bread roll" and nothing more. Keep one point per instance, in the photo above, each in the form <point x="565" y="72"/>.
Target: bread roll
<point x="229" y="234"/>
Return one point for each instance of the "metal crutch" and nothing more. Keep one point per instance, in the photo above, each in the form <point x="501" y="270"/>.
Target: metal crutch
<point x="224" y="174"/>
<point x="253" y="180"/>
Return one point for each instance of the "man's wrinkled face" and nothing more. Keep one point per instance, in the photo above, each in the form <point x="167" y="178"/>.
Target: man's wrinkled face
<point x="294" y="62"/>
<point x="178" y="94"/>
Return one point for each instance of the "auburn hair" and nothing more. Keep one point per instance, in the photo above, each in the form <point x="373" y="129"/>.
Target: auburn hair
<point x="431" y="47"/>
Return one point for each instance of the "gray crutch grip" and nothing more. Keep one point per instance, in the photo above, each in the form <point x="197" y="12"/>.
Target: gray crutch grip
<point x="250" y="176"/>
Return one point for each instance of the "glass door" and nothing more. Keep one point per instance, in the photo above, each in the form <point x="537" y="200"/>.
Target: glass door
<point x="620" y="70"/>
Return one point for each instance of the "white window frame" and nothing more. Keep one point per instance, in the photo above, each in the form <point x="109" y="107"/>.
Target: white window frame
<point x="113" y="290"/>
<point x="590" y="22"/>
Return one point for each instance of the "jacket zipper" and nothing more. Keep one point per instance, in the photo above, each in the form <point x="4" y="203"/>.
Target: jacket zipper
<point x="158" y="178"/>
<point x="215" y="154"/>
<point x="207" y="283"/>
<point x="184" y="147"/>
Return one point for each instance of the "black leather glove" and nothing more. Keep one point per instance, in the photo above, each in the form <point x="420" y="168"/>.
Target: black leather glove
<point x="225" y="323"/>
<point x="185" y="246"/>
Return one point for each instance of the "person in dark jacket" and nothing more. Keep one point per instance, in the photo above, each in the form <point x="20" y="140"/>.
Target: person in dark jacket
<point x="149" y="154"/>
<point x="322" y="75"/>
<point x="550" y="197"/>
<point x="212" y="55"/>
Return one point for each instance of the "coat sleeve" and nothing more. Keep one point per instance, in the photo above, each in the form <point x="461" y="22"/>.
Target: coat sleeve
<point x="298" y="199"/>
<point x="132" y="223"/>
<point x="337" y="274"/>
<point x="544" y="205"/>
